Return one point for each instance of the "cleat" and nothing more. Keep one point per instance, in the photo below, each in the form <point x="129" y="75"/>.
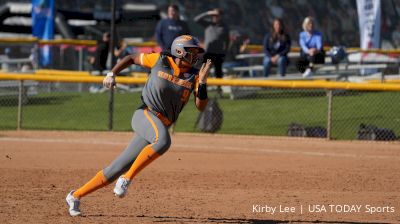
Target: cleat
<point x="121" y="187"/>
<point x="73" y="204"/>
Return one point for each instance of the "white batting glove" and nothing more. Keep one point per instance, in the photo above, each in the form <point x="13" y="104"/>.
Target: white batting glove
<point x="109" y="80"/>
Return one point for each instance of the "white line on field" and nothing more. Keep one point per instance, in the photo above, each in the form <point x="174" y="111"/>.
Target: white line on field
<point x="280" y="151"/>
<point x="188" y="147"/>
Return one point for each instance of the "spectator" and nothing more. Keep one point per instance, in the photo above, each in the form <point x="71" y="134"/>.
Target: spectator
<point x="122" y="50"/>
<point x="275" y="9"/>
<point x="5" y="57"/>
<point x="311" y="48"/>
<point x="170" y="28"/>
<point x="276" y="47"/>
<point x="237" y="45"/>
<point x="99" y="60"/>
<point x="216" y="37"/>
<point x="396" y="36"/>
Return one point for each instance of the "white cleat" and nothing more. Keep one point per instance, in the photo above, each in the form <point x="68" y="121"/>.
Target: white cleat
<point x="308" y="73"/>
<point x="121" y="187"/>
<point x="73" y="204"/>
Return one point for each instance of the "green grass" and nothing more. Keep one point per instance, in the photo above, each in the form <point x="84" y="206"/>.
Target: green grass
<point x="268" y="113"/>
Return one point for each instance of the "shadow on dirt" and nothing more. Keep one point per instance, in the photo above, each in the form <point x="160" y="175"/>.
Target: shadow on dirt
<point x="173" y="219"/>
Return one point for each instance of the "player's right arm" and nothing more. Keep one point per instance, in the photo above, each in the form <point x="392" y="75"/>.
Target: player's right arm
<point x="145" y="60"/>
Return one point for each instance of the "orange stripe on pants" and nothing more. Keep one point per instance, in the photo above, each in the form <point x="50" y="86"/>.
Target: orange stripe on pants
<point x="146" y="156"/>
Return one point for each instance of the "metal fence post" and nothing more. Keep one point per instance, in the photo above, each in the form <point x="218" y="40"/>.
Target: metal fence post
<point x="35" y="56"/>
<point x="110" y="109"/>
<point x="113" y="60"/>
<point x="329" y="118"/>
<point x="80" y="67"/>
<point x="20" y="95"/>
<point x="80" y="62"/>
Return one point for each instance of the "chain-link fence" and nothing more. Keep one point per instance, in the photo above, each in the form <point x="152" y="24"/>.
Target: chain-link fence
<point x="341" y="114"/>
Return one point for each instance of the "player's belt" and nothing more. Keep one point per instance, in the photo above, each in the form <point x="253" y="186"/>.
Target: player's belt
<point x="163" y="119"/>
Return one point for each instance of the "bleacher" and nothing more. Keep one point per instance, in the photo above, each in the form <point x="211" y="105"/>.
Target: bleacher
<point x="351" y="69"/>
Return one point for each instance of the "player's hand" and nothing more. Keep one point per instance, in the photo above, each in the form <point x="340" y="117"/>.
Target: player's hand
<point x="109" y="80"/>
<point x="204" y="71"/>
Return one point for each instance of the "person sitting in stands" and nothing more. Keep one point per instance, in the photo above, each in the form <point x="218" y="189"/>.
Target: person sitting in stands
<point x="276" y="47"/>
<point x="311" y="48"/>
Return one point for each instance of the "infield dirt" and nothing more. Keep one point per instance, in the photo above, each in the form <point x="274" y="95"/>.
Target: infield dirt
<point x="202" y="179"/>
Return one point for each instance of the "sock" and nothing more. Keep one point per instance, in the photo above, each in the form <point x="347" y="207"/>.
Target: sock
<point x="97" y="182"/>
<point x="145" y="157"/>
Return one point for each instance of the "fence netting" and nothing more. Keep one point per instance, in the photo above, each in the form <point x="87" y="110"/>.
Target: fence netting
<point x="248" y="111"/>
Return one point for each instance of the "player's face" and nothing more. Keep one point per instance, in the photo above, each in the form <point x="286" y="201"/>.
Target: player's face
<point x="191" y="56"/>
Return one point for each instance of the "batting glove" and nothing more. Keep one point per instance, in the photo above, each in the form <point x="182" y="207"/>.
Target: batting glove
<point x="109" y="80"/>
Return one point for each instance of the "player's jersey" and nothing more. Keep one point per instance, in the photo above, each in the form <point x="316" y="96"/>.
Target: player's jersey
<point x="166" y="91"/>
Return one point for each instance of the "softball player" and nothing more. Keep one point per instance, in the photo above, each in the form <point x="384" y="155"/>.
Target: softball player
<point x="166" y="92"/>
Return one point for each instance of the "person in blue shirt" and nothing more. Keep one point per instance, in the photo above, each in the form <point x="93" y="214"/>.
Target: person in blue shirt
<point x="311" y="48"/>
<point x="276" y="47"/>
<point x="170" y="28"/>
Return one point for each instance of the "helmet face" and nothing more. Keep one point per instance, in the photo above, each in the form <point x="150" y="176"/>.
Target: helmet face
<point x="180" y="46"/>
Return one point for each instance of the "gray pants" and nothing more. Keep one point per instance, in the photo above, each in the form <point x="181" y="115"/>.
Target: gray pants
<point x="148" y="130"/>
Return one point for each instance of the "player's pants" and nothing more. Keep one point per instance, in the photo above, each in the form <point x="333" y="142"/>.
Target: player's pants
<point x="148" y="130"/>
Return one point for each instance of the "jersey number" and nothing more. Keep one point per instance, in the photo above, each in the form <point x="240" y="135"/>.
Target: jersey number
<point x="185" y="95"/>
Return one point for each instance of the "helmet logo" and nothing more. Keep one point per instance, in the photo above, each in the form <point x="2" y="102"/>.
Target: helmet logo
<point x="179" y="52"/>
<point x="186" y="37"/>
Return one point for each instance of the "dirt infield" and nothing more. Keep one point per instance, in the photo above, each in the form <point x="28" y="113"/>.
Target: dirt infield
<point x="202" y="179"/>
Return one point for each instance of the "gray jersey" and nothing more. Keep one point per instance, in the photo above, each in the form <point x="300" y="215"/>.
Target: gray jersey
<point x="166" y="90"/>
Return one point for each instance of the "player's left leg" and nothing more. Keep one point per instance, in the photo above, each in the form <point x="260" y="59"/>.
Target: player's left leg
<point x="153" y="130"/>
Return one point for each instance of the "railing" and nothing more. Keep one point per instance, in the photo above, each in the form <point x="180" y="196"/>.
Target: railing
<point x="268" y="111"/>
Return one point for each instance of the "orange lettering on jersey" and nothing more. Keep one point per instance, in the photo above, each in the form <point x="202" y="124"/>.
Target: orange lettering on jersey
<point x="175" y="80"/>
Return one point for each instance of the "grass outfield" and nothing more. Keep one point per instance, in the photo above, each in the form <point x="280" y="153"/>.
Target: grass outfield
<point x="268" y="113"/>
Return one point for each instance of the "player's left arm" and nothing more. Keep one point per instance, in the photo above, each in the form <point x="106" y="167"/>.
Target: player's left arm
<point x="201" y="98"/>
